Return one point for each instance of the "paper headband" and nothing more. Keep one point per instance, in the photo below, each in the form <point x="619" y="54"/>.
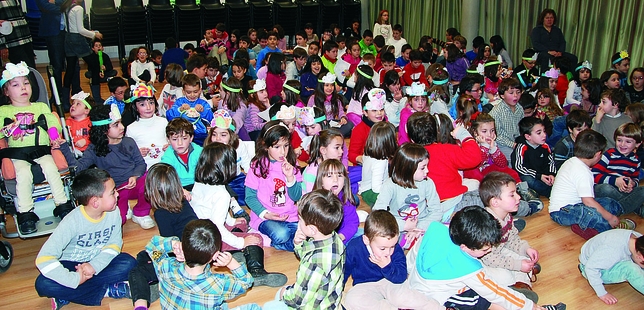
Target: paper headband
<point x="291" y="88"/>
<point x="140" y="90"/>
<point x="552" y="73"/>
<point x="306" y="117"/>
<point x="416" y="89"/>
<point x="329" y="78"/>
<point x="533" y="58"/>
<point x="12" y="71"/>
<point x="480" y="69"/>
<point x="82" y="96"/>
<point x="115" y="116"/>
<point x="259" y="86"/>
<point x="622" y="55"/>
<point x="376" y="101"/>
<point x="285" y="112"/>
<point x="276" y="125"/>
<point x="230" y="89"/>
<point x="585" y="65"/>
<point x="222" y="119"/>
<point x="363" y="73"/>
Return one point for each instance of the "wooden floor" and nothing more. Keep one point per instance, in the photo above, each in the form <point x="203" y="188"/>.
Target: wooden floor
<point x="559" y="281"/>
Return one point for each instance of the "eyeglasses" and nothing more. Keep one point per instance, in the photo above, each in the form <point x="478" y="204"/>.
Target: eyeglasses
<point x="476" y="90"/>
<point x="638" y="78"/>
<point x="143" y="53"/>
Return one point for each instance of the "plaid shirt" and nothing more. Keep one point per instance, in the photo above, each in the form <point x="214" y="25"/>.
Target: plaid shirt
<point x="507" y="123"/>
<point x="12" y="11"/>
<point x="319" y="278"/>
<point x="179" y="290"/>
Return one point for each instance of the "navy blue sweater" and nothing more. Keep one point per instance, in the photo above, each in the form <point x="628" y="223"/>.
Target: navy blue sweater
<point x="358" y="265"/>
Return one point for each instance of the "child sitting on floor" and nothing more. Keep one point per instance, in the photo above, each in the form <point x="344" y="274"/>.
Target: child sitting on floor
<point x="576" y="122"/>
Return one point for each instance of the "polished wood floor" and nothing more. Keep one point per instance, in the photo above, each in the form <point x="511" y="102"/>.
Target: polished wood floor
<point x="559" y="280"/>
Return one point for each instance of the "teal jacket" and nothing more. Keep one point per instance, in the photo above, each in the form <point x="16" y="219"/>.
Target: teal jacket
<point x="186" y="172"/>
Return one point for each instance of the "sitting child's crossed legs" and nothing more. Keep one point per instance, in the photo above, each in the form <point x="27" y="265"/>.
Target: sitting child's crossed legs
<point x="587" y="217"/>
<point x="386" y="295"/>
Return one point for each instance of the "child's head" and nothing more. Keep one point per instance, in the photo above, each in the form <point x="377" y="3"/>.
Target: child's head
<point x="333" y="176"/>
<point x="200" y="241"/>
<point x="353" y="49"/>
<point x="143" y="101"/>
<point x="300" y="38"/>
<point x="636" y="112"/>
<point x="231" y="93"/>
<point x="591" y="90"/>
<point x="496" y="42"/>
<point x="82" y="103"/>
<point x="583" y="72"/>
<point x="545" y="97"/>
<point x="621" y="62"/>
<point x="562" y="64"/>
<point x="191" y="86"/>
<point x="397" y="31"/>
<point x="510" y="91"/>
<point x="383" y="17"/>
<point x="484" y="52"/>
<point x="367" y="37"/>
<point x="257" y="94"/>
<point x="156" y="56"/>
<point x="373" y="105"/>
<point x="388" y="61"/>
<point x="409" y="165"/>
<point x="118" y="87"/>
<point x="381" y="233"/>
<point x="106" y="128"/>
<point x="252" y="34"/>
<point x="391" y="83"/>
<point x="217" y="164"/>
<point x="529" y="59"/>
<point x="330" y="49"/>
<point x="472" y="87"/>
<point x="578" y="121"/>
<point x="379" y="42"/>
<point x="15" y="83"/>
<point x="222" y="129"/>
<point x="421" y="128"/>
<point x="417" y="97"/>
<point x="173" y="74"/>
<point x="498" y="191"/>
<point x="273" y="143"/>
<point x="405" y="50"/>
<point x="589" y="145"/>
<point x="460" y="42"/>
<point x="528" y="103"/>
<point x="628" y="137"/>
<point x="369" y="60"/>
<point x="342" y="42"/>
<point x="262" y="38"/>
<point x="142" y="54"/>
<point x="453" y="53"/>
<point x="466" y="107"/>
<point x="637" y="78"/>
<point x="239" y="68"/>
<point x="308" y="28"/>
<point x="416" y="58"/>
<point x="97" y="46"/>
<point x="180" y="133"/>
<point x="381" y="142"/>
<point x="329" y="144"/>
<point x="163" y="188"/>
<point x="320" y="213"/>
<point x="291" y="91"/>
<point x="638" y="256"/>
<point x="272" y="39"/>
<point x="281" y="111"/>
<point x="95" y="188"/>
<point x="313" y="119"/>
<point x="276" y="63"/>
<point x="364" y="81"/>
<point x="299" y="57"/>
<point x="491" y="68"/>
<point x="444" y="127"/>
<point x="314" y="48"/>
<point x="532" y="129"/>
<point x="244" y="42"/>
<point x="170" y="42"/>
<point x="313" y="65"/>
<point x="198" y="65"/>
<point x="475" y="230"/>
<point x="483" y="127"/>
<point x="610" y="79"/>
<point x="213" y="66"/>
<point x="190" y="49"/>
<point x="611" y="100"/>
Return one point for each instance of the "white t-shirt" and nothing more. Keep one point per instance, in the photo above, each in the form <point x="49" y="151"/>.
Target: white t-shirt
<point x="397" y="44"/>
<point x="150" y="133"/>
<point x="574" y="180"/>
<point x="374" y="174"/>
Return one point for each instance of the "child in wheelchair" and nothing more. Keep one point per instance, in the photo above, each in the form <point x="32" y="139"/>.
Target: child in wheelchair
<point x="29" y="127"/>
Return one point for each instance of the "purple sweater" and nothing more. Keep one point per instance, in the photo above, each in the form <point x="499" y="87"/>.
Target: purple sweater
<point x="350" y="221"/>
<point x="457" y="69"/>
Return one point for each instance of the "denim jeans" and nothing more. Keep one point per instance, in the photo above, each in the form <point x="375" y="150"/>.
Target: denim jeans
<point x="281" y="233"/>
<point x="630" y="201"/>
<point x="587" y="217"/>
<point x="537" y="185"/>
<point x="92" y="291"/>
<point x="623" y="271"/>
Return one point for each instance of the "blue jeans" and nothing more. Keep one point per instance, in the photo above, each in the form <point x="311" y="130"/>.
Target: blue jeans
<point x="281" y="233"/>
<point x="542" y="188"/>
<point x="92" y="291"/>
<point x="587" y="217"/>
<point x="630" y="202"/>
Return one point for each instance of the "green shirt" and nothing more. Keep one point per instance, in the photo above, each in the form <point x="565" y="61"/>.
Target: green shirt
<point x="364" y="49"/>
<point x="37" y="108"/>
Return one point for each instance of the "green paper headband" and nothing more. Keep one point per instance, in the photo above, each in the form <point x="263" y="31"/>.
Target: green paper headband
<point x="230" y="89"/>
<point x="291" y="88"/>
<point x="363" y="73"/>
<point x="492" y="63"/>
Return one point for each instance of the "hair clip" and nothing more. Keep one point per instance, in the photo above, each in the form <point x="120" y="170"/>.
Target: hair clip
<point x="376" y="101"/>
<point x="82" y="96"/>
<point x="585" y="65"/>
<point x="622" y="55"/>
<point x="114" y="116"/>
<point x="222" y="119"/>
<point x="14" y="70"/>
<point x="329" y="78"/>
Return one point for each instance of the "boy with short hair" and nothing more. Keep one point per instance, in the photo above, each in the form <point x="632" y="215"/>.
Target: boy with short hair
<point x="156" y="56"/>
<point x="192" y="107"/>
<point x="99" y="69"/>
<point x="262" y="39"/>
<point x="300" y="41"/>
<point x="414" y="71"/>
<point x="573" y="202"/>
<point x="342" y="45"/>
<point x="183" y="152"/>
<point x="118" y="88"/>
<point x="532" y="158"/>
<point x="79" y="122"/>
<point x="403" y="58"/>
<point x="294" y="67"/>
<point x="388" y="63"/>
<point x="186" y="280"/>
<point x="445" y="263"/>
<point x="314" y="49"/>
<point x="271" y="47"/>
<point x="172" y="55"/>
<point x="330" y="56"/>
<point x="189" y="48"/>
<point x="527" y="71"/>
<point x="378" y="267"/>
<point x="396" y="39"/>
<point x="608" y="116"/>
<point x="471" y="86"/>
<point x="617" y="173"/>
<point x="212" y="77"/>
<point x="512" y="260"/>
<point x="613" y="256"/>
<point x="507" y="115"/>
<point x="576" y="122"/>
<point x="197" y="64"/>
<point x="528" y="103"/>
<point x="318" y="281"/>
<point x="83" y="256"/>
<point x="366" y="44"/>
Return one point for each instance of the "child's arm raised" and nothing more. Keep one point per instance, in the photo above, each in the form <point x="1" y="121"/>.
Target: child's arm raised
<point x="293" y="185"/>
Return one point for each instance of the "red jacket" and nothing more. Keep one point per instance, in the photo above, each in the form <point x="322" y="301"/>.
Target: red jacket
<point x="445" y="160"/>
<point x="414" y="75"/>
<point x="358" y="140"/>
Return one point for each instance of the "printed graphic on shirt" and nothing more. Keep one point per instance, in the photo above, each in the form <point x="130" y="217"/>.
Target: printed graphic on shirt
<point x="92" y="242"/>
<point x="279" y="195"/>
<point x="409" y="210"/>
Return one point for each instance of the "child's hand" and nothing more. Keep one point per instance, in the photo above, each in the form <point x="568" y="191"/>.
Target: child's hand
<point x="612" y="219"/>
<point x="131" y="183"/>
<point x="621" y="184"/>
<point x="221" y="259"/>
<point x="533" y="254"/>
<point x="275" y="217"/>
<point x="144" y="151"/>
<point x="55" y="144"/>
<point x="493" y="145"/>
<point x="526" y="265"/>
<point x="83" y="276"/>
<point x="414" y="234"/>
<point x="410" y="224"/>
<point x="299" y="236"/>
<point x="87" y="269"/>
<point x="297" y="151"/>
<point x="398" y="93"/>
<point x="79" y="143"/>
<point x="252" y="240"/>
<point x="289" y="171"/>
<point x="177" y="249"/>
<point x="482" y="141"/>
<point x="548" y="179"/>
<point x="608" y="299"/>
<point x="599" y="114"/>
<point x="187" y="195"/>
<point x="343" y="120"/>
<point x="221" y="50"/>
<point x="382" y="262"/>
<point x="165" y="146"/>
<point x="240" y="221"/>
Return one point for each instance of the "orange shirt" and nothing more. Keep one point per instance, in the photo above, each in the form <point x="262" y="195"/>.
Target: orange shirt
<point x="79" y="130"/>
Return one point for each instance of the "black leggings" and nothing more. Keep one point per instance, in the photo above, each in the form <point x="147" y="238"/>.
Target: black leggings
<point x="70" y="71"/>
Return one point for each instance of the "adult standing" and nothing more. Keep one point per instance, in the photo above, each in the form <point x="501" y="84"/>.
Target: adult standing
<point x="19" y="40"/>
<point x="52" y="29"/>
<point x="548" y="40"/>
<point x="383" y="26"/>
<point x="76" y="45"/>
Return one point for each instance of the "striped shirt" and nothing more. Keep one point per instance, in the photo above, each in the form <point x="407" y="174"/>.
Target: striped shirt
<point x="614" y="165"/>
<point x="180" y="290"/>
<point x="507" y="123"/>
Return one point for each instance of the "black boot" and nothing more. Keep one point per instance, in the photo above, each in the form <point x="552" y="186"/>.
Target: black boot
<point x="64" y="99"/>
<point x="27" y="222"/>
<point x="63" y="209"/>
<point x="255" y="264"/>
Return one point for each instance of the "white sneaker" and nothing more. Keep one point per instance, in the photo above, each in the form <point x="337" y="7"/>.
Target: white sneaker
<point x="145" y="222"/>
<point x="128" y="215"/>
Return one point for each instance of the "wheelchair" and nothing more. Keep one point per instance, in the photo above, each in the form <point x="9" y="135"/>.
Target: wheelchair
<point x="43" y="199"/>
